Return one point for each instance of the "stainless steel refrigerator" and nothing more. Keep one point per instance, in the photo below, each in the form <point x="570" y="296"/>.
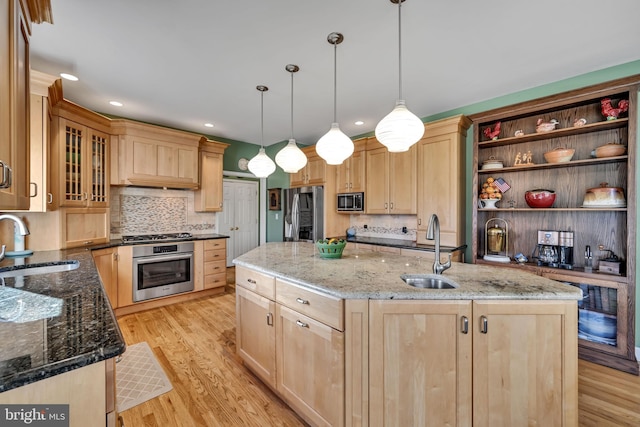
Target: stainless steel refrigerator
<point x="303" y="213"/>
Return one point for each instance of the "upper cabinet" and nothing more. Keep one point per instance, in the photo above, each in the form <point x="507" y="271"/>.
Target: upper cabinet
<point x="351" y="173"/>
<point x="314" y="173"/>
<point x="391" y="180"/>
<point x="510" y="144"/>
<point x="209" y="197"/>
<point x="441" y="185"/>
<point x="16" y="17"/>
<point x="79" y="157"/>
<point x="153" y="156"/>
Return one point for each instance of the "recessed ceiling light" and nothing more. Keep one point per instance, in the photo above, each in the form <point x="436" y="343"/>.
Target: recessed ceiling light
<point x="359" y="123"/>
<point x="69" y="77"/>
<point x="116" y="103"/>
<point x="209" y="125"/>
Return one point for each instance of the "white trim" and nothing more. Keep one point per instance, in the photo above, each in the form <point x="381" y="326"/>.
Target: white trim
<point x="262" y="201"/>
<point x="638" y="354"/>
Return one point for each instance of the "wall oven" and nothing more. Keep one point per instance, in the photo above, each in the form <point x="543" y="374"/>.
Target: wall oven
<point x="162" y="269"/>
<point x="351" y="202"/>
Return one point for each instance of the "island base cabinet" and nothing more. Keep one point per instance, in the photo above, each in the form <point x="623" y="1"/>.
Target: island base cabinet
<point x="255" y="334"/>
<point x="310" y="367"/>
<point x="420" y="363"/>
<point x="525" y="364"/>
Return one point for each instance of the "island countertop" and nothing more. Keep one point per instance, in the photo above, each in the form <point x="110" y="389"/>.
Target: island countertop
<point x="58" y="321"/>
<point x="364" y="274"/>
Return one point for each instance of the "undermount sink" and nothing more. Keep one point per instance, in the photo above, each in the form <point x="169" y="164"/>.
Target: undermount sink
<point x="428" y="281"/>
<point x="40" y="268"/>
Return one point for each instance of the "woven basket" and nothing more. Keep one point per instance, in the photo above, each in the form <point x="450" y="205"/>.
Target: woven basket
<point x="331" y="250"/>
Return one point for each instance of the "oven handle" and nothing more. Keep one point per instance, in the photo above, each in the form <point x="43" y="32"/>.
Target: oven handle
<point x="160" y="258"/>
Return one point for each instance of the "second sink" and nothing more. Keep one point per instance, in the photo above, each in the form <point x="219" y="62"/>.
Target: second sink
<point x="428" y="281"/>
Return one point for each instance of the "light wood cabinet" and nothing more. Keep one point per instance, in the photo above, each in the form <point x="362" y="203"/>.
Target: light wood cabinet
<point x="154" y="156"/>
<point x="314" y="173"/>
<point x="209" y="197"/>
<point x="79" y="157"/>
<point x="486" y="363"/>
<point x="106" y="261"/>
<point x="351" y="174"/>
<point x="310" y="367"/>
<point x="215" y="263"/>
<point x="611" y="225"/>
<point x="84" y="226"/>
<point x="441" y="180"/>
<point x="16" y="17"/>
<point x="392" y="188"/>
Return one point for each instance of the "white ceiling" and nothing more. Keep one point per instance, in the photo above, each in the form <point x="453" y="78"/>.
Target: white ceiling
<point x="184" y="63"/>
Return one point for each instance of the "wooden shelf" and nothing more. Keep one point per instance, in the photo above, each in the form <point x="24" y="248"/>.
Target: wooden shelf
<point x="588" y="128"/>
<point x="573" y="163"/>
<point x="553" y="210"/>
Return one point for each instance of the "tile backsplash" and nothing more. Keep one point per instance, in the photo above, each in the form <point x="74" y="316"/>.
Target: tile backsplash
<point x="385" y="226"/>
<point x="138" y="210"/>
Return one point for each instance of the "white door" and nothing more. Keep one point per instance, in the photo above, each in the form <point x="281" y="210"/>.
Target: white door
<point x="239" y="217"/>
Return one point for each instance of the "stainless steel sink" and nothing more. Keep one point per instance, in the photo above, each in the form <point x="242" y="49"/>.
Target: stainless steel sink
<point x="428" y="281"/>
<point x="40" y="268"/>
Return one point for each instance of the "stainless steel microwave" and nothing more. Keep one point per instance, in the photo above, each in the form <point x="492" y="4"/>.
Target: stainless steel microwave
<point x="351" y="202"/>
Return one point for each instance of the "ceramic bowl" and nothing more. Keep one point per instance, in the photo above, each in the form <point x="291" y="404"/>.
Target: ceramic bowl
<point x="540" y="198"/>
<point x="559" y="155"/>
<point x="610" y="150"/>
<point x="604" y="197"/>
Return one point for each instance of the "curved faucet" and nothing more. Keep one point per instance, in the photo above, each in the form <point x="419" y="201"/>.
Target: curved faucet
<point x="22" y="229"/>
<point x="433" y="232"/>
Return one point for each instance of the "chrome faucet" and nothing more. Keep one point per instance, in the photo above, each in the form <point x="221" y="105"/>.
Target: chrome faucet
<point x="22" y="229"/>
<point x="433" y="232"/>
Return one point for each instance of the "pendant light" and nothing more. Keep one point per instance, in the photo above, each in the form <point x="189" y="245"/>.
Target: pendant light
<point x="261" y="165"/>
<point x="335" y="147"/>
<point x="399" y="129"/>
<point x="291" y="158"/>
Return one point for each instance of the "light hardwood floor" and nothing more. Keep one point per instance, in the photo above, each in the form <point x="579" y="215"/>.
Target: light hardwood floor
<point x="194" y="342"/>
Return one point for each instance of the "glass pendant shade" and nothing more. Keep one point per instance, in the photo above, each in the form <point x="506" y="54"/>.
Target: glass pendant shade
<point x="399" y="129"/>
<point x="334" y="147"/>
<point x="261" y="165"/>
<point x="291" y="158"/>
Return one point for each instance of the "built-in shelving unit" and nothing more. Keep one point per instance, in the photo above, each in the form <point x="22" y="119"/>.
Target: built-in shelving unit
<point x="606" y="326"/>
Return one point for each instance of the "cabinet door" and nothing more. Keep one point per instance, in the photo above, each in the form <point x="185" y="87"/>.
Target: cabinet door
<point x="84" y="226"/>
<point x="377" y="192"/>
<point x="97" y="167"/>
<point x="14" y="108"/>
<point x="402" y="182"/>
<point x="71" y="144"/>
<point x="310" y="368"/>
<point x="420" y="363"/>
<point x="107" y="265"/>
<point x="343" y="177"/>
<point x="525" y="363"/>
<point x="255" y="334"/>
<point x="357" y="172"/>
<point x="316" y="170"/>
<point x="299" y="178"/>
<point x="209" y="197"/>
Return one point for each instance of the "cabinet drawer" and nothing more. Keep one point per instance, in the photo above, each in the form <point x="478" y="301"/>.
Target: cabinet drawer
<point x="215" y="280"/>
<point x="259" y="283"/>
<point x="323" y="308"/>
<point x="215" y="244"/>
<point x="215" y="267"/>
<point x="215" y="255"/>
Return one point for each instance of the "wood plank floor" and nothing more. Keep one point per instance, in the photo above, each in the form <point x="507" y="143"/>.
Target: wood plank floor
<point x="194" y="342"/>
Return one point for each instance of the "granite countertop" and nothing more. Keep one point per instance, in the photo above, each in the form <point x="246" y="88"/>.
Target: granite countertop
<point x="118" y="242"/>
<point x="365" y="274"/>
<point x="66" y="321"/>
<point x="402" y="244"/>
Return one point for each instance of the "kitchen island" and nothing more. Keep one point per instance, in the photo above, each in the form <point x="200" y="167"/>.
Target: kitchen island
<point x="347" y="342"/>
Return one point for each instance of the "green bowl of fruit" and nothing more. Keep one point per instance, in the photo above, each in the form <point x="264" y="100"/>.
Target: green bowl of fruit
<point x="330" y="248"/>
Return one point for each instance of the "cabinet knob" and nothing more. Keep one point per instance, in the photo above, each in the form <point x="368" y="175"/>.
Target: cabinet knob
<point x="252" y="281"/>
<point x="6" y="175"/>
<point x="302" y="301"/>
<point x="464" y="325"/>
<point x="484" y="324"/>
<point x="49" y="198"/>
<point x="270" y="319"/>
<point x="35" y="189"/>
<point x="302" y="324"/>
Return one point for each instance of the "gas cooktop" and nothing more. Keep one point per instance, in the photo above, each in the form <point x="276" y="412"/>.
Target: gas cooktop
<point x="156" y="237"/>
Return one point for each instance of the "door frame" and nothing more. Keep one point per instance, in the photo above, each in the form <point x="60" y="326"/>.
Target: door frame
<point x="262" y="200"/>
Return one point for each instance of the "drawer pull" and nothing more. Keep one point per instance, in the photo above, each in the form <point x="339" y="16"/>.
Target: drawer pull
<point x="88" y="242"/>
<point x="464" y="325"/>
<point x="302" y="301"/>
<point x="270" y="319"/>
<point x="484" y="324"/>
<point x="302" y="324"/>
<point x="252" y="281"/>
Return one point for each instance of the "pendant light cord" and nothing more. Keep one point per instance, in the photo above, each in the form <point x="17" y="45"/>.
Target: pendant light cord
<point x="291" y="105"/>
<point x="261" y="119"/>
<point x="400" y="49"/>
<point x="335" y="82"/>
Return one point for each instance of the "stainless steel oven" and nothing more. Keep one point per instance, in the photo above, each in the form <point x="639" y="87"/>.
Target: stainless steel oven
<point x="162" y="269"/>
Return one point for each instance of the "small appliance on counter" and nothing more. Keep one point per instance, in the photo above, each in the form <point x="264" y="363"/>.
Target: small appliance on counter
<point x="496" y="241"/>
<point x="612" y="264"/>
<point x="554" y="249"/>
